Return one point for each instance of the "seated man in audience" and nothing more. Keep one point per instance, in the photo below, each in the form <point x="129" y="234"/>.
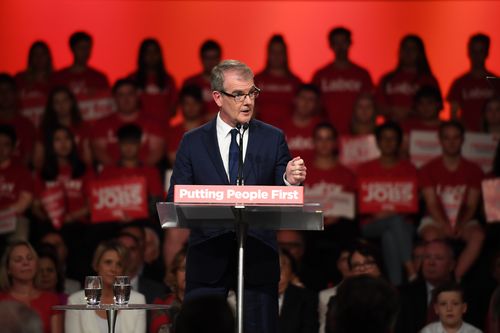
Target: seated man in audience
<point x="104" y="141"/>
<point x="450" y="306"/>
<point x="149" y="288"/>
<point x="82" y="79"/>
<point x="416" y="297"/>
<point x="16" y="187"/>
<point x="210" y="56"/>
<point x="297" y="305"/>
<point x="9" y="115"/>
<point x="451" y="187"/>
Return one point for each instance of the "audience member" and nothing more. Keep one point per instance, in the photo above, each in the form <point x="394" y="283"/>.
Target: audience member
<point x="297" y="305"/>
<point x="191" y="106"/>
<point x="162" y="321"/>
<point x="397" y="88"/>
<point x="82" y="79"/>
<point x="418" y="255"/>
<point x="304" y="118"/>
<point x="364" y="304"/>
<point x="364" y="116"/>
<point x="33" y="83"/>
<point x="157" y="88"/>
<point x="62" y="110"/>
<point x="278" y="82"/>
<point x="450" y="306"/>
<point x="325" y="295"/>
<point x="16" y="185"/>
<point x="154" y="265"/>
<point x="491" y="117"/>
<point x="394" y="229"/>
<point x="341" y="81"/>
<point x="416" y="298"/>
<point x="62" y="170"/>
<point x="50" y="275"/>
<point x="16" y="317"/>
<point x="428" y="103"/>
<point x="135" y="262"/>
<point x="9" y="115"/>
<point x="210" y="56"/>
<point x="109" y="261"/>
<point x="451" y="187"/>
<point x="17" y="283"/>
<point x="104" y="140"/>
<point x="469" y="92"/>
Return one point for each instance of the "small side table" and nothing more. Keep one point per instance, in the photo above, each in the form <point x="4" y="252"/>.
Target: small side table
<point x="111" y="310"/>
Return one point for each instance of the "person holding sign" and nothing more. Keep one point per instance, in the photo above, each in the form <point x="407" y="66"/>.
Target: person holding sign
<point x="204" y="158"/>
<point x="387" y="193"/>
<point x="451" y="187"/>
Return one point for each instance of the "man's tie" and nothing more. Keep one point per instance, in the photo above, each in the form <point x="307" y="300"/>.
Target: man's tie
<point x="234" y="156"/>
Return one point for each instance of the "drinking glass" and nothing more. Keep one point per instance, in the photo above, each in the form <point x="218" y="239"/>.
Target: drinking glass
<point x="93" y="290"/>
<point x="121" y="290"/>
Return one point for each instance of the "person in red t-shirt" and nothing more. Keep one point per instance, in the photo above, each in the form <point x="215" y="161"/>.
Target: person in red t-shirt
<point x="341" y="81"/>
<point x="491" y="116"/>
<point x="130" y="165"/>
<point x="192" y="106"/>
<point x="16" y="187"/>
<point x="9" y="115"/>
<point x="17" y="282"/>
<point x="393" y="228"/>
<point x="469" y="92"/>
<point x="210" y="56"/>
<point x="451" y="187"/>
<point x="62" y="110"/>
<point x="278" y="84"/>
<point x="34" y="82"/>
<point x="397" y="88"/>
<point x="63" y="169"/>
<point x="104" y="142"/>
<point x="364" y="116"/>
<point x="158" y="91"/>
<point x="305" y="117"/>
<point x="82" y="79"/>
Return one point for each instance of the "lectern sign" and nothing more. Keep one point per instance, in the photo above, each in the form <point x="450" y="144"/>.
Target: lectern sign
<point x="230" y="195"/>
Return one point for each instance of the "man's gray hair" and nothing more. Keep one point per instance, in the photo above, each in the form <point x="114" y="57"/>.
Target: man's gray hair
<point x="15" y="317"/>
<point x="217" y="77"/>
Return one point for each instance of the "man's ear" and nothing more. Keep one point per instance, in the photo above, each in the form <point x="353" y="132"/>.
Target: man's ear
<point x="217" y="96"/>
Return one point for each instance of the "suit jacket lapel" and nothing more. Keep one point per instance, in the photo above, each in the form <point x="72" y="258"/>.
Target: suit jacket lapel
<point x="254" y="144"/>
<point x="212" y="146"/>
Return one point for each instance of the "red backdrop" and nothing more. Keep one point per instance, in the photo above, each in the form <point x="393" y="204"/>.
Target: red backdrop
<point x="243" y="29"/>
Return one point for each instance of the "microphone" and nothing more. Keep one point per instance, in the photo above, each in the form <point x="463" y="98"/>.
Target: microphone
<point x="239" y="180"/>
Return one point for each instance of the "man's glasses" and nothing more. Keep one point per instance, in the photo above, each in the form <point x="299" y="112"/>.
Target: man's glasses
<point x="239" y="97"/>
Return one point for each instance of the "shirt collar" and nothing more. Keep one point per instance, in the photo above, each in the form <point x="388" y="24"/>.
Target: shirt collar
<point x="223" y="129"/>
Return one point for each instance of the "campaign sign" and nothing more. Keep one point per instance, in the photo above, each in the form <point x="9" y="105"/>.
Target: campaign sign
<point x="96" y="106"/>
<point x="231" y="195"/>
<point x="335" y="204"/>
<point x="480" y="148"/>
<point x="491" y="197"/>
<point x="7" y="221"/>
<point x="33" y="109"/>
<point x="387" y="194"/>
<point x="424" y="146"/>
<point x="54" y="202"/>
<point x="115" y="199"/>
<point x="355" y="150"/>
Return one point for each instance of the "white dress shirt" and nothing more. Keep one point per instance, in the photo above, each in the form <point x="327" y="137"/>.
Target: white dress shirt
<point x="437" y="327"/>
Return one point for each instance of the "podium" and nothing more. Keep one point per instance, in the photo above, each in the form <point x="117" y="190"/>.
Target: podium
<point x="240" y="217"/>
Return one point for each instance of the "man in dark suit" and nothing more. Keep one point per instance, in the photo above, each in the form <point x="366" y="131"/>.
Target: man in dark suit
<point x="204" y="158"/>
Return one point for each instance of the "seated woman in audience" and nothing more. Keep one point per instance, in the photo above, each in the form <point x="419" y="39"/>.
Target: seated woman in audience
<point x="62" y="110"/>
<point x="364" y="116"/>
<point x="397" y="88"/>
<point x="17" y="282"/>
<point x="50" y="276"/>
<point x="161" y="321"/>
<point x="279" y="83"/>
<point x="491" y="117"/>
<point x="108" y="262"/>
<point x="62" y="167"/>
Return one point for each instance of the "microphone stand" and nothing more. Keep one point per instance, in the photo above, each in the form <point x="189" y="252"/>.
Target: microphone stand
<point x="241" y="233"/>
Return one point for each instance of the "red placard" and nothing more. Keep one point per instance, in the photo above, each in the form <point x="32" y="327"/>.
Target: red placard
<point x="96" y="106"/>
<point x="491" y="197"/>
<point x="355" y="150"/>
<point x="54" y="202"/>
<point x="114" y="199"/>
<point x="387" y="194"/>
